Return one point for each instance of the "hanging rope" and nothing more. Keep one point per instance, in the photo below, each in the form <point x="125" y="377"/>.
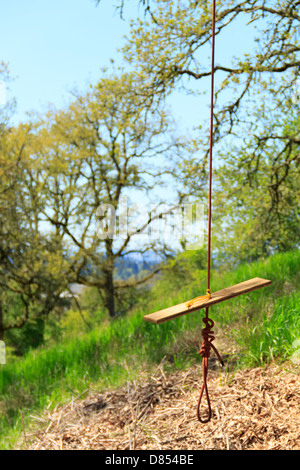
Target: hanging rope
<point x="208" y="292"/>
<point x="207" y="333"/>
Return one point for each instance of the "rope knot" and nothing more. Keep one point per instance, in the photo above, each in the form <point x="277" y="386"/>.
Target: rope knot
<point x="208" y="337"/>
<point x="201" y="298"/>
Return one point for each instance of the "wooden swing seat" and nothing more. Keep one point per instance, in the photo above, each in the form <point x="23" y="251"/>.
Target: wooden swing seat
<point x="224" y="294"/>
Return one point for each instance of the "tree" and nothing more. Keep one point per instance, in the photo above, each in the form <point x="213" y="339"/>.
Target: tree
<point x="107" y="144"/>
<point x="121" y="4"/>
<point x="258" y="195"/>
<point x="29" y="287"/>
<point x="30" y="263"/>
<point x="6" y="106"/>
<point x="168" y="47"/>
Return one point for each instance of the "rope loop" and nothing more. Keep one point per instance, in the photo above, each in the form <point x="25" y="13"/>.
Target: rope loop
<point x="208" y="337"/>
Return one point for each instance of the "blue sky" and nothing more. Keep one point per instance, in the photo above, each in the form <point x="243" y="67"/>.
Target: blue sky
<point x="53" y="46"/>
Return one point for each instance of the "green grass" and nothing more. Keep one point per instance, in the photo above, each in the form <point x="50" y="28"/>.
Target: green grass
<point x="265" y="324"/>
<point x="274" y="336"/>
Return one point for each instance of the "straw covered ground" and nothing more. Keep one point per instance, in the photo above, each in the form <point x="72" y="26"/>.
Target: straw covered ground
<point x="252" y="409"/>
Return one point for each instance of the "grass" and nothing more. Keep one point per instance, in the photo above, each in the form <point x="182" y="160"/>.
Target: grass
<point x="274" y="337"/>
<point x="265" y="324"/>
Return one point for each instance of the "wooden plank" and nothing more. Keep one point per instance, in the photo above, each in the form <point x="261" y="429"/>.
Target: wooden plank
<point x="216" y="297"/>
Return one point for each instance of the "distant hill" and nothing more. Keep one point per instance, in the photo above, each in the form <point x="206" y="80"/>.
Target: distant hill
<point x="133" y="265"/>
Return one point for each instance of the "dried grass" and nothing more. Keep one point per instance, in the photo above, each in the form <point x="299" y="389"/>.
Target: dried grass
<point x="252" y="409"/>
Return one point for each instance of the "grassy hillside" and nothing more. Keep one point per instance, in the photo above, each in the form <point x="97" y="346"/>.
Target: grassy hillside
<point x="264" y="324"/>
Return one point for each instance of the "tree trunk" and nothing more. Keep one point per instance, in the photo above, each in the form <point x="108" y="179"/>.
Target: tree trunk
<point x="1" y="323"/>
<point x="109" y="289"/>
<point x="109" y="294"/>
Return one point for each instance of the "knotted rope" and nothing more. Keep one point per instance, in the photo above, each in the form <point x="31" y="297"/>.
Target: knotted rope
<point x="208" y="337"/>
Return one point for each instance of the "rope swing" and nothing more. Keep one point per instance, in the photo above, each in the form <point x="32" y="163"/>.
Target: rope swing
<point x="210" y="298"/>
<point x="207" y="333"/>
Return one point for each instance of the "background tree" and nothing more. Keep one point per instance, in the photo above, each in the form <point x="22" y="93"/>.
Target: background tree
<point x="109" y="143"/>
<point x="31" y="265"/>
<point x="6" y="105"/>
<point x="169" y="46"/>
<point x="258" y="196"/>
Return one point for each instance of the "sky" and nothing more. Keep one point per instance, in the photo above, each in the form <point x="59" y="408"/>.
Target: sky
<point x="53" y="46"/>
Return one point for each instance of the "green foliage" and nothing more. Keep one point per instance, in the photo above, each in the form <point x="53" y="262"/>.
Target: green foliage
<point x="256" y="127"/>
<point x="97" y="358"/>
<point x="75" y="323"/>
<point x="108" y="144"/>
<point x="32" y="265"/>
<point x="91" y="301"/>
<point x="257" y="207"/>
<point x="275" y="336"/>
<point x="31" y="335"/>
<point x="115" y="139"/>
<point x="181" y="272"/>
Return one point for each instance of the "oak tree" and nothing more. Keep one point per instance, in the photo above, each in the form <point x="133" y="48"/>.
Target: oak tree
<point x="108" y="144"/>
<point x="256" y="135"/>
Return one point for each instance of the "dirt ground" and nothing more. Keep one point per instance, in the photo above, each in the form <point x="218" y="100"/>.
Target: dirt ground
<point x="252" y="409"/>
